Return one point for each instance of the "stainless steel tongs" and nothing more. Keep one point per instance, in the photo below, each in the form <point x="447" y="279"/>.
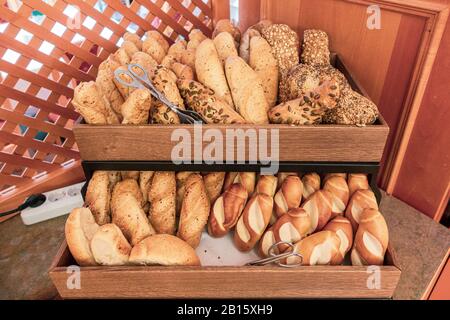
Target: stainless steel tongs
<point x="276" y="258"/>
<point x="143" y="81"/>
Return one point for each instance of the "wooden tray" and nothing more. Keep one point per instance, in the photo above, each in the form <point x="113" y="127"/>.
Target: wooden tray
<point x="223" y="282"/>
<point x="319" y="143"/>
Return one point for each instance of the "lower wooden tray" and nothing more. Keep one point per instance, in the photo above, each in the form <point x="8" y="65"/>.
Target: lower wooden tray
<point x="224" y="282"/>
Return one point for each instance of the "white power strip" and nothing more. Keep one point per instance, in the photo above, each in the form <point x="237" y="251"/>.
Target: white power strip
<point x="58" y="202"/>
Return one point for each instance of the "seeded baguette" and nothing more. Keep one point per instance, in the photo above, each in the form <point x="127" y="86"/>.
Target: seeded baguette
<point x="203" y="100"/>
<point x="301" y="111"/>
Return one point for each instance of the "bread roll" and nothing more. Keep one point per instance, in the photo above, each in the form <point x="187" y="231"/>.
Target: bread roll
<point x="146" y="61"/>
<point x="130" y="175"/>
<point x="89" y="101"/>
<point x="311" y="183"/>
<point x="265" y="65"/>
<point x="360" y="200"/>
<point x="129" y="216"/>
<point x="267" y="184"/>
<point x="301" y="111"/>
<point x="135" y="110"/>
<point x="133" y="37"/>
<point x="168" y="61"/>
<point x="109" y="246"/>
<point x="98" y="197"/>
<point x="210" y="72"/>
<point x="130" y="186"/>
<point x="154" y="48"/>
<point x="289" y="196"/>
<point x="182" y="71"/>
<point x="161" y="196"/>
<point x="282" y="176"/>
<point x="214" y="184"/>
<point x="291" y="227"/>
<point x="226" y="210"/>
<point x="114" y="177"/>
<point x="357" y="181"/>
<point x="79" y="229"/>
<point x="330" y="175"/>
<point x="244" y="48"/>
<point x="203" y="100"/>
<point x="247" y="179"/>
<point x="315" y="48"/>
<point x="321" y="248"/>
<point x="226" y="26"/>
<point x="343" y="229"/>
<point x="165" y="250"/>
<point x="247" y="91"/>
<point x="318" y="205"/>
<point x="145" y="182"/>
<point x="371" y="239"/>
<point x="188" y="58"/>
<point x="225" y="46"/>
<point x="266" y="242"/>
<point x="177" y="49"/>
<point x="160" y="38"/>
<point x="181" y="178"/>
<point x="338" y="188"/>
<point x="194" y="211"/>
<point x="122" y="57"/>
<point x="124" y="90"/>
<point x="130" y="48"/>
<point x="105" y="84"/>
<point x="197" y="35"/>
<point x="253" y="222"/>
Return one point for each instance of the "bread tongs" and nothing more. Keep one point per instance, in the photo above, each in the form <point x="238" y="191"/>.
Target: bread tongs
<point x="277" y="258"/>
<point x="143" y="81"/>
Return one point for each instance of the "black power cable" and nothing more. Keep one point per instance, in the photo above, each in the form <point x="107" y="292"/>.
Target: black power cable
<point x="33" y="201"/>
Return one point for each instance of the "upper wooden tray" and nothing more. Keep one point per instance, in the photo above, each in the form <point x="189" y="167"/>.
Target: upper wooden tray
<point x="321" y="143"/>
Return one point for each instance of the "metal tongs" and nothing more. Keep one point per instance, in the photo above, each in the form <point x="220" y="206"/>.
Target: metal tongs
<point x="143" y="81"/>
<point x="276" y="258"/>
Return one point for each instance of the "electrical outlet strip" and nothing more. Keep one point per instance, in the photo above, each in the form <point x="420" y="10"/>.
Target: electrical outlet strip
<point x="58" y="202"/>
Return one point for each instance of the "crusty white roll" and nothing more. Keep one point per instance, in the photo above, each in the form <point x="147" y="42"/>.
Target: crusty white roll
<point x="357" y="181"/>
<point x="371" y="239"/>
<point x="282" y="176"/>
<point x="129" y="216"/>
<point x="164" y="250"/>
<point x="226" y="210"/>
<point x="360" y="200"/>
<point x="266" y="242"/>
<point x="338" y="188"/>
<point x="291" y="227"/>
<point x="194" y="211"/>
<point x="109" y="246"/>
<point x="253" y="221"/>
<point x="321" y="248"/>
<point x="343" y="229"/>
<point x="161" y="196"/>
<point x="267" y="184"/>
<point x="289" y="196"/>
<point x="79" y="229"/>
<point x="98" y="197"/>
<point x="127" y="186"/>
<point x="311" y="183"/>
<point x="318" y="206"/>
<point x="329" y="175"/>
<point x="214" y="184"/>
<point x="247" y="179"/>
<point x="210" y="71"/>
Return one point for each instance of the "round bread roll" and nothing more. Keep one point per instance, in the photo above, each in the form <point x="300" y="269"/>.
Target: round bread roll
<point x="164" y="250"/>
<point x="109" y="246"/>
<point x="79" y="229"/>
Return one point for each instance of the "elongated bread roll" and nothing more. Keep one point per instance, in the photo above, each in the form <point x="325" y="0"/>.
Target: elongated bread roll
<point x="253" y="222"/>
<point x="127" y="185"/>
<point x="130" y="175"/>
<point x="105" y="84"/>
<point x="289" y="196"/>
<point x="210" y="72"/>
<point x="203" y="100"/>
<point x="371" y="239"/>
<point x="79" y="229"/>
<point x="177" y="49"/>
<point x="188" y="58"/>
<point x="311" y="183"/>
<point x="154" y="48"/>
<point x="338" y="188"/>
<point x="291" y="227"/>
<point x="266" y="242"/>
<point x="343" y="229"/>
<point x="114" y="177"/>
<point x="226" y="210"/>
<point x="145" y="61"/>
<point x="194" y="211"/>
<point x="321" y="248"/>
<point x="145" y="182"/>
<point x="225" y="25"/>
<point x="168" y="61"/>
<point x="282" y="176"/>
<point x="133" y="37"/>
<point x="357" y="181"/>
<point x="214" y="184"/>
<point x="197" y="35"/>
<point x="182" y="71"/>
<point x="124" y="90"/>
<point x="318" y="206"/>
<point x="109" y="246"/>
<point x="247" y="179"/>
<point x="160" y="38"/>
<point x="130" y="48"/>
<point x="129" y="216"/>
<point x="267" y="184"/>
<point x="181" y="178"/>
<point x="247" y="91"/>
<point x="329" y="175"/>
<point x="164" y="250"/>
<point x="136" y="108"/>
<point x="98" y="197"/>
<point x="121" y="56"/>
<point x="360" y="200"/>
<point x="89" y="101"/>
<point x="161" y="196"/>
<point x="225" y="46"/>
<point x="265" y="65"/>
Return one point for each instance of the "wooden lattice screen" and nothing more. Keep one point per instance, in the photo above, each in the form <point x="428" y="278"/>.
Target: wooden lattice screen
<point x="46" y="47"/>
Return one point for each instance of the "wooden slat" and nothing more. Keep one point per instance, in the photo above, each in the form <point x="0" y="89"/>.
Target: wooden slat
<point x="206" y="8"/>
<point x="191" y="17"/>
<point x="21" y="161"/>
